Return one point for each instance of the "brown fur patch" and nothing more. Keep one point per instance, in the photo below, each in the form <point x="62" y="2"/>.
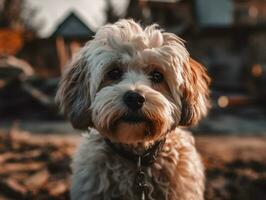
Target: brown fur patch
<point x="195" y="99"/>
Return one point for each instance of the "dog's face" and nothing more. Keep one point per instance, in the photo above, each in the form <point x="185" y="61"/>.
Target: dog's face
<point x="133" y="85"/>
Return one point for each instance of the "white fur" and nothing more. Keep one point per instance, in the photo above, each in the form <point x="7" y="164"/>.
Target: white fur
<point x="99" y="174"/>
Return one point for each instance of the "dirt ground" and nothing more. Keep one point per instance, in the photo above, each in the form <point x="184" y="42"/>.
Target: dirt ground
<point x="235" y="167"/>
<point x="37" y="166"/>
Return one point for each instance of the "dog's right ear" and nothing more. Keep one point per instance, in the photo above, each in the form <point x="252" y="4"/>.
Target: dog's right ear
<point x="73" y="95"/>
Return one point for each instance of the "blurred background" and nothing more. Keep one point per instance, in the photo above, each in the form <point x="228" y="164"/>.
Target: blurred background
<point x="37" y="38"/>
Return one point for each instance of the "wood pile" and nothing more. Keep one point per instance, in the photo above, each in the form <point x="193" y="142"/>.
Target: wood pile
<point x="235" y="167"/>
<point x="33" y="167"/>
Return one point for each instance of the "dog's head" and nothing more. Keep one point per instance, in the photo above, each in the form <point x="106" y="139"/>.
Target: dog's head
<point x="133" y="84"/>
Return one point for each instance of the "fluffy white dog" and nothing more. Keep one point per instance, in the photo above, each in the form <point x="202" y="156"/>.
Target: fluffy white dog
<point x="132" y="88"/>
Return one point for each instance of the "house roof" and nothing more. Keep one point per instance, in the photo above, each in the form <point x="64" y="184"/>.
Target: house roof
<point x="73" y="26"/>
<point x="50" y="13"/>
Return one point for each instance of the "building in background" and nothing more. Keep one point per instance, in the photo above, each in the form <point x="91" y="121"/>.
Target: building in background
<point x="59" y="27"/>
<point x="69" y="36"/>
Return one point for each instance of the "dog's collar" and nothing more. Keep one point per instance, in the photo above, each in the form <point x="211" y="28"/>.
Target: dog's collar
<point x="147" y="158"/>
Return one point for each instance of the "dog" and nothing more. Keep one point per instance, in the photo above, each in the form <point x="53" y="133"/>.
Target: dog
<point x="133" y="89"/>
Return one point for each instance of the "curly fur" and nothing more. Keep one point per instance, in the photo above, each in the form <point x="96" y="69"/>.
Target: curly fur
<point x="90" y="99"/>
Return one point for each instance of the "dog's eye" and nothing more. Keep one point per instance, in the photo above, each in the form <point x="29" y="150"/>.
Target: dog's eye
<point x="156" y="76"/>
<point x="114" y="74"/>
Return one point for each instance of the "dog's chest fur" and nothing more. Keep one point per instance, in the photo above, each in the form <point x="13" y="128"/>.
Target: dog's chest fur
<point x="100" y="174"/>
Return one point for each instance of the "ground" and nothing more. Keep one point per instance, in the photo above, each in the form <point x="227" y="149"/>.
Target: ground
<point x="38" y="166"/>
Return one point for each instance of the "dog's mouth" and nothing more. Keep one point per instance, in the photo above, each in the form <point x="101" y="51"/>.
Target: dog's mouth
<point x="133" y="118"/>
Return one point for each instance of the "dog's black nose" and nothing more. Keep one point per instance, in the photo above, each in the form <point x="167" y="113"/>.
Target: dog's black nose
<point x="133" y="100"/>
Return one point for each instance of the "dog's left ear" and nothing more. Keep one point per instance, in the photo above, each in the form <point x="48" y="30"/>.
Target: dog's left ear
<point x="73" y="94"/>
<point x="195" y="93"/>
